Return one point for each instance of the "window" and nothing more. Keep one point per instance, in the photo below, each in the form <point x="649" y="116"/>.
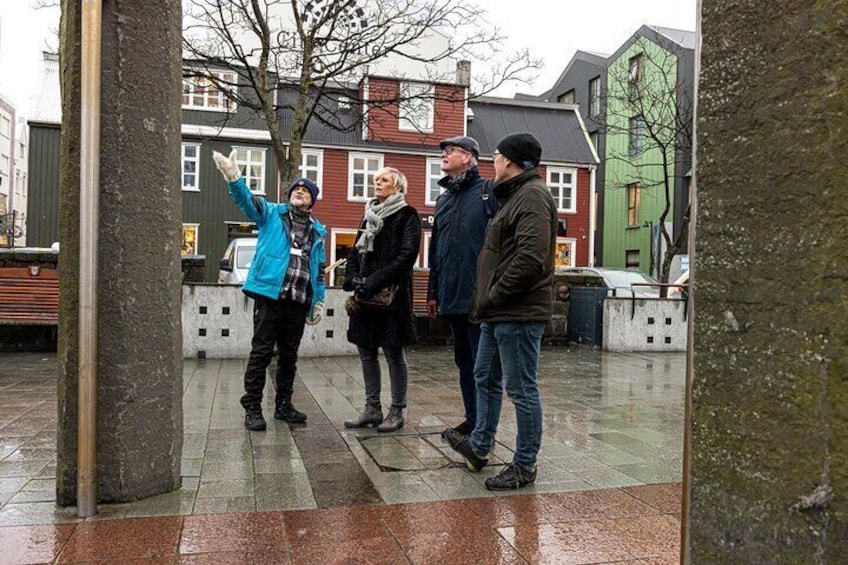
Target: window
<point x="21" y="150"/>
<point x="201" y="93"/>
<point x="634" y="76"/>
<point x="562" y="183"/>
<point x="416" y="107"/>
<point x="637" y="136"/>
<point x="595" y="96"/>
<point x="311" y="166"/>
<point x="5" y="127"/>
<point x="362" y="167"/>
<point x="251" y="161"/>
<point x="567" y="98"/>
<point x="190" y="240"/>
<point x="343" y="242"/>
<point x="566" y="248"/>
<point x="595" y="137"/>
<point x="434" y="173"/>
<point x="634" y="197"/>
<point x="191" y="152"/>
<point x="631" y="259"/>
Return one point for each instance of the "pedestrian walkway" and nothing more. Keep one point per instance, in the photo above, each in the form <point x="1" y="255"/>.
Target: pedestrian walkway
<point x="607" y="487"/>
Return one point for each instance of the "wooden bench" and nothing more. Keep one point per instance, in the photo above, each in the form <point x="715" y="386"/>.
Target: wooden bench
<point x="29" y="296"/>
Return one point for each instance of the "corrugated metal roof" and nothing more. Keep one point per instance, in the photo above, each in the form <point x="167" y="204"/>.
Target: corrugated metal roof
<point x="556" y="126"/>
<point x="684" y="38"/>
<point x="46" y="102"/>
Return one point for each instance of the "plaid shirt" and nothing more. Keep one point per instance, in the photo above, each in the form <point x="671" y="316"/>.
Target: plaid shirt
<point x="296" y="284"/>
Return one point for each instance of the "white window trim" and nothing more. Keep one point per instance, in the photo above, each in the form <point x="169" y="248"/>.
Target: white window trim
<point x="427" y="93"/>
<point x="566" y="170"/>
<point x="573" y="242"/>
<point x="350" y="171"/>
<point x="432" y="161"/>
<point x="241" y="167"/>
<point x="320" y="176"/>
<point x="333" y="240"/>
<point x="196" y="187"/>
<point x="229" y="105"/>
<point x="425" y="254"/>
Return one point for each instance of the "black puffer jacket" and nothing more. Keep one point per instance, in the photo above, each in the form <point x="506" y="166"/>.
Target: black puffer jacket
<point x="391" y="261"/>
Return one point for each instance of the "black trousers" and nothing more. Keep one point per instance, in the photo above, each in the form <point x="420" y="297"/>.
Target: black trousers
<point x="466" y="337"/>
<point x="280" y="322"/>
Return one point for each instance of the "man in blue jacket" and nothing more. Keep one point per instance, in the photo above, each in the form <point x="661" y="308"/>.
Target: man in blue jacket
<point x="459" y="224"/>
<point x="286" y="282"/>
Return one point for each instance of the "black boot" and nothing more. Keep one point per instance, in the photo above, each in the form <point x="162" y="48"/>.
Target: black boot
<point x="253" y="419"/>
<point x="370" y="417"/>
<point x="285" y="411"/>
<point x="393" y="422"/>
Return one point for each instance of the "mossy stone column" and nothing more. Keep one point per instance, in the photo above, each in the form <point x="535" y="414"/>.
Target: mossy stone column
<point x="769" y="476"/>
<point x="140" y="356"/>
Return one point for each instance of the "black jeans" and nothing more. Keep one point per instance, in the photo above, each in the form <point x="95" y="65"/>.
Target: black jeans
<point x="398" y="375"/>
<point x="280" y="322"/>
<point x="466" y="337"/>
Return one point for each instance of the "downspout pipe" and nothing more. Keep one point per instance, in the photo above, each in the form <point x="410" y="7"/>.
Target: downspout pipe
<point x="593" y="213"/>
<point x="92" y="13"/>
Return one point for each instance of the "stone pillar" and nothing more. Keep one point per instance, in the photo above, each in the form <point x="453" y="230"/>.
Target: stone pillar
<point x="769" y="476"/>
<point x="140" y="354"/>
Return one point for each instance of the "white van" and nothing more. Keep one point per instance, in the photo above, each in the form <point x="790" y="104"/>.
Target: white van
<point x="237" y="260"/>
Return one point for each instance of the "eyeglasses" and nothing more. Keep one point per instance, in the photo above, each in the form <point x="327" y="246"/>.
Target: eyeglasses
<point x="451" y="148"/>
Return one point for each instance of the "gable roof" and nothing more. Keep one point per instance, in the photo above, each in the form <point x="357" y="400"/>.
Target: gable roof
<point x="595" y="59"/>
<point x="558" y="127"/>
<point x="684" y="38"/>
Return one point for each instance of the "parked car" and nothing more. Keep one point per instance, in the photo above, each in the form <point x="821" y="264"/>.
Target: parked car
<point x="237" y="259"/>
<point x="618" y="282"/>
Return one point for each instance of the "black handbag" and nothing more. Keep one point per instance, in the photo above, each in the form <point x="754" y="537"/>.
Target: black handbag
<point x="383" y="299"/>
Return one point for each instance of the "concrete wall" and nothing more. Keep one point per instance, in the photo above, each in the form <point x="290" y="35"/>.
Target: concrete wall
<point x="644" y="324"/>
<point x="218" y="323"/>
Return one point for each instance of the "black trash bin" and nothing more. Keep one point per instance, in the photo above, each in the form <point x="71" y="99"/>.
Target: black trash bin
<point x="586" y="315"/>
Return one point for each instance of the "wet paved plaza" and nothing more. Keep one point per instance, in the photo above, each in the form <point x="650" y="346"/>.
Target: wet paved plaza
<point x="607" y="487"/>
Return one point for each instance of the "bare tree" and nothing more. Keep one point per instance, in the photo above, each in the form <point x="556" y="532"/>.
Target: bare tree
<point x="650" y="105"/>
<point x="303" y="56"/>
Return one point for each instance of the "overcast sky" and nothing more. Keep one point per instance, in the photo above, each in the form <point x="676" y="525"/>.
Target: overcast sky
<point x="552" y="29"/>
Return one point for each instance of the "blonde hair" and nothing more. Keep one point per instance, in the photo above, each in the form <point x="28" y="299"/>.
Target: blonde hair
<point x="398" y="178"/>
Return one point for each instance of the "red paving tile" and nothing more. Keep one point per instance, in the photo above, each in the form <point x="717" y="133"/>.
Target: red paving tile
<point x="634" y="526"/>
<point x="33" y="544"/>
<point x="114" y="541"/>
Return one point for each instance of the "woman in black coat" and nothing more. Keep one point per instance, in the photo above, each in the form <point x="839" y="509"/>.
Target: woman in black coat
<point x="386" y="250"/>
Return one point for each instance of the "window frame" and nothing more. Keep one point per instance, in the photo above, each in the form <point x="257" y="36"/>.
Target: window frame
<point x="573" y="186"/>
<point x="196" y="227"/>
<point x="183" y="160"/>
<point x="636" y="136"/>
<point x="634" y="201"/>
<point x="568" y="97"/>
<point x="303" y="169"/>
<point x="634" y="75"/>
<point x="369" y="176"/>
<point x="426" y="94"/>
<point x="245" y="167"/>
<point x="432" y="180"/>
<point x="572" y="243"/>
<point x="225" y="103"/>
<point x="334" y="232"/>
<point x="595" y="96"/>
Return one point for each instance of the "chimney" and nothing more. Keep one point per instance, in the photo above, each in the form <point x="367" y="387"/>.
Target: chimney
<point x="463" y="73"/>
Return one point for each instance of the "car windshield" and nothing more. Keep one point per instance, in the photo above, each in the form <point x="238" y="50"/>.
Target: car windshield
<point x="623" y="279"/>
<point x="244" y="257"/>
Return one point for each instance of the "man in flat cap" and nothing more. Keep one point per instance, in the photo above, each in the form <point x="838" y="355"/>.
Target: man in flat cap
<point x="286" y="282"/>
<point x="513" y="300"/>
<point x="459" y="223"/>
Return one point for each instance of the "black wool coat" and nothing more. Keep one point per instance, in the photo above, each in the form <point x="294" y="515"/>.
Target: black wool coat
<point x="391" y="262"/>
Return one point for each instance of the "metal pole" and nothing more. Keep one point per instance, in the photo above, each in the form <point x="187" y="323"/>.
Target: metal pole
<point x="89" y="203"/>
<point x="685" y="548"/>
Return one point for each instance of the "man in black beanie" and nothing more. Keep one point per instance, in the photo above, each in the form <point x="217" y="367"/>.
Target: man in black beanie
<point x="513" y="301"/>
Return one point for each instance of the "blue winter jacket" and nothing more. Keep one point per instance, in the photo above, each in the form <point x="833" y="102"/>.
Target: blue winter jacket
<point x="459" y="225"/>
<point x="268" y="270"/>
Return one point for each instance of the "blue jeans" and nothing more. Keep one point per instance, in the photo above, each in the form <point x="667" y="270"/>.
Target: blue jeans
<point x="508" y="357"/>
<point x="466" y="337"/>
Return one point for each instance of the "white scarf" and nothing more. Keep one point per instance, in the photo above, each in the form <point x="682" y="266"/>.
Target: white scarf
<point x="375" y="213"/>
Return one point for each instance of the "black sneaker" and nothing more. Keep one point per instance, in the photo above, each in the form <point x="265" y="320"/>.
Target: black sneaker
<point x="253" y="419"/>
<point x="462" y="445"/>
<point x="464" y="428"/>
<point x="285" y="411"/>
<point x="511" y="478"/>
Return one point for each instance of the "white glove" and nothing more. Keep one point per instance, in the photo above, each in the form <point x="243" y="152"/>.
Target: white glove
<point x="227" y="165"/>
<point x="317" y="314"/>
